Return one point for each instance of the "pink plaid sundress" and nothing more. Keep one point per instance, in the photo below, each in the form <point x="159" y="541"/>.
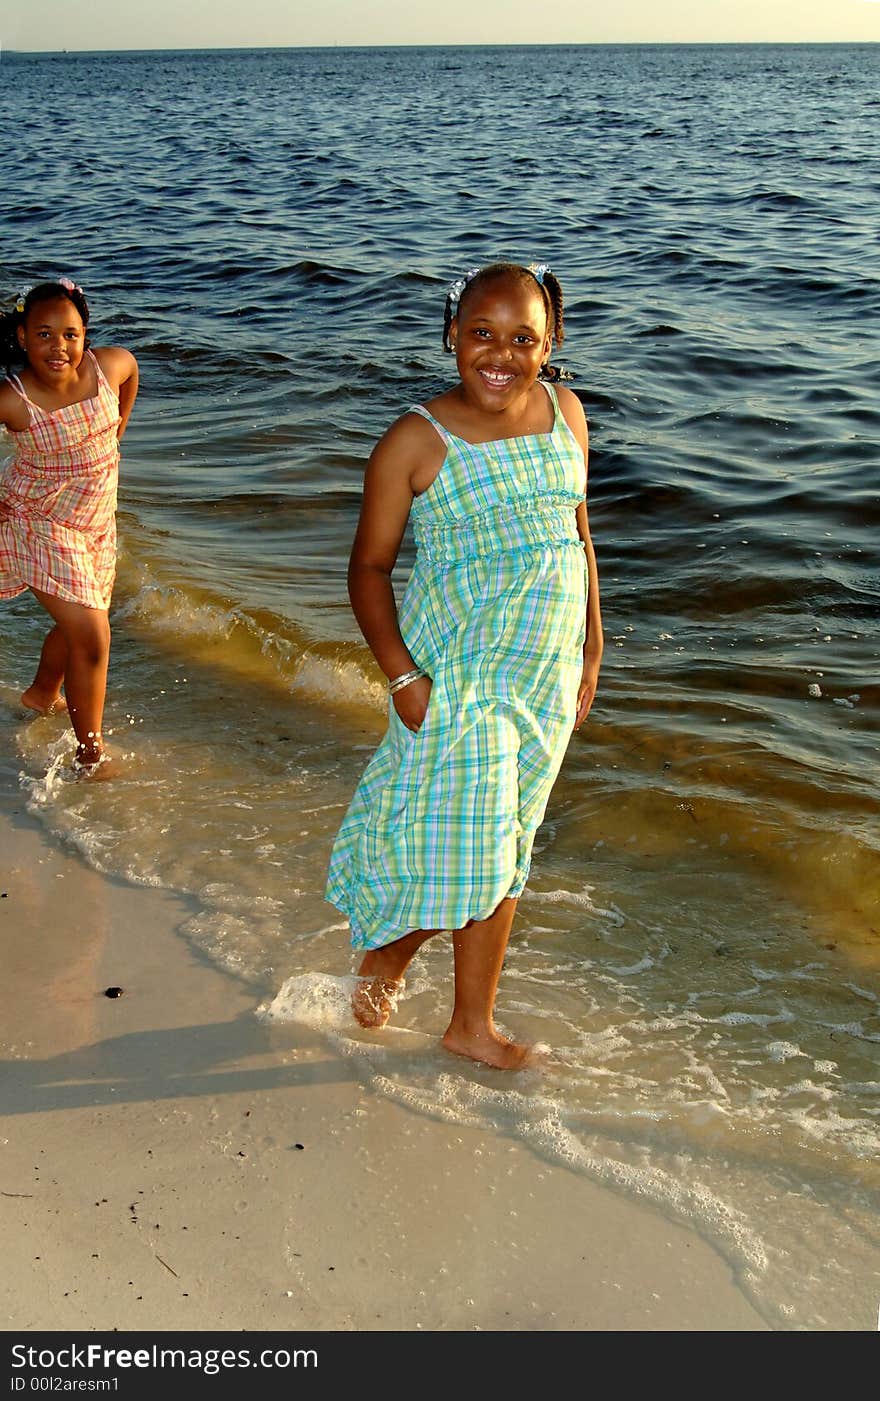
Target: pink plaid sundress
<point x="58" y="500"/>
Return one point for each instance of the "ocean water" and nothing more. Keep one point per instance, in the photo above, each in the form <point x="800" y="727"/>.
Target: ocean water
<point x="271" y="232"/>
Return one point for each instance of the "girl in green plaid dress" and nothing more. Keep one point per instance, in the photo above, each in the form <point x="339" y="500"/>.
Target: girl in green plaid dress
<point x="492" y="658"/>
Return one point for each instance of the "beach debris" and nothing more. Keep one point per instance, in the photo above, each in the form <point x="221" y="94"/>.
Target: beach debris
<point x="167" y="1266"/>
<point x="114" y="992"/>
<point x="814" y="689"/>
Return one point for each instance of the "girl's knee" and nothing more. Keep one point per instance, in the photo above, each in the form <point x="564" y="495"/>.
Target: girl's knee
<point x="91" y="640"/>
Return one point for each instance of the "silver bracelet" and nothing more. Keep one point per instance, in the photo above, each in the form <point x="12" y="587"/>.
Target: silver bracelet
<point x="405" y="680"/>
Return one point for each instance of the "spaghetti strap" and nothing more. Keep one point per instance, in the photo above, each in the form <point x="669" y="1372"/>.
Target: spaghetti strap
<point x="443" y="432"/>
<point x="18" y="387"/>
<point x="101" y="377"/>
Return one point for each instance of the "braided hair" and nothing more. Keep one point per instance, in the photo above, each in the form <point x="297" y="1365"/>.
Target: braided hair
<point x="550" y="288"/>
<point x="11" y="352"/>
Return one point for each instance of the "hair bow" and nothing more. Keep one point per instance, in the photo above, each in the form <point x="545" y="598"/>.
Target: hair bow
<point x="17" y="301"/>
<point x="456" y="288"/>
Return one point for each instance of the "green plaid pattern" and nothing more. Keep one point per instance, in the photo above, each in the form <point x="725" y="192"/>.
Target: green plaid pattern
<point x="442" y="824"/>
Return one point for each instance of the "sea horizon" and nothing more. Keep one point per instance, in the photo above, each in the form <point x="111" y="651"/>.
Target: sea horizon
<point x="356" y="48"/>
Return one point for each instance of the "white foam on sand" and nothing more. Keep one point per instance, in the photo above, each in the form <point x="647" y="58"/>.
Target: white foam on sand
<point x="319" y="1000"/>
<point x="580" y="899"/>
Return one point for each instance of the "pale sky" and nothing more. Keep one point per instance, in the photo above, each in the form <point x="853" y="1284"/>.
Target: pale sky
<point x="169" y="24"/>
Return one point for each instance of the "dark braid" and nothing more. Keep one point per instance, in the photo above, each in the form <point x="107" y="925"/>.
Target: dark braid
<point x="550" y="287"/>
<point x="11" y="352"/>
<point x="448" y="313"/>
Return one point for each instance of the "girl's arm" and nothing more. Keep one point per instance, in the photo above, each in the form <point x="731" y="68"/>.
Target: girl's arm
<point x="387" y="499"/>
<point x="13" y="414"/>
<point x="594" y="644"/>
<point x="121" y="371"/>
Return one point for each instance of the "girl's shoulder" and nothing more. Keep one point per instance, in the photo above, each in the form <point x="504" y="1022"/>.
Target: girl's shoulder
<point x="569" y="403"/>
<point x="14" y="412"/>
<point x="117" y="364"/>
<point x="412" y="430"/>
<point x="408" y="455"/>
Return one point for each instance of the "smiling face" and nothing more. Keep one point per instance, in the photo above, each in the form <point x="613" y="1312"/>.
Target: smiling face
<point x="501" y="341"/>
<point x="53" y="338"/>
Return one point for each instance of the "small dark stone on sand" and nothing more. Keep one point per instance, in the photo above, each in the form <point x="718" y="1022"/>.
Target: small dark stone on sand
<point x="299" y="1145"/>
<point x="113" y="992"/>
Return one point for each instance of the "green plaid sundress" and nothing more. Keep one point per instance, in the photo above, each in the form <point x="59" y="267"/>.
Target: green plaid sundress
<point x="442" y="824"/>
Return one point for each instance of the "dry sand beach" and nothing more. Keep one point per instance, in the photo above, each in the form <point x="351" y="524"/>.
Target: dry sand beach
<point x="171" y="1162"/>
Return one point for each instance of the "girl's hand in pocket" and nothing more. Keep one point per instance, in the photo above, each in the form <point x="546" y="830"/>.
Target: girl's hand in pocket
<point x="411" y="703"/>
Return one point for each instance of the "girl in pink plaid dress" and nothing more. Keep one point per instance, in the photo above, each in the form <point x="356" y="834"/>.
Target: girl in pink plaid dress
<point x="65" y="411"/>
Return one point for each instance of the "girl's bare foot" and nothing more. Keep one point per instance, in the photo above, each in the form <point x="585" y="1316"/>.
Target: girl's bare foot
<point x="43" y="704"/>
<point x="381" y="978"/>
<point x="489" y="1048"/>
<point x="374" y="999"/>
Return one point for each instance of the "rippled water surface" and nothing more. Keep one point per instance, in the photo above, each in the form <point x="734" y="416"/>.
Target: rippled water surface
<point x="271" y="232"/>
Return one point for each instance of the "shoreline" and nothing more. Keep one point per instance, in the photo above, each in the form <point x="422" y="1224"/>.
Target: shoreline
<point x="171" y="1162"/>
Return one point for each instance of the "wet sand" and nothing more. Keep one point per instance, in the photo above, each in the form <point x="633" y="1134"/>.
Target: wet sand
<point x="171" y="1162"/>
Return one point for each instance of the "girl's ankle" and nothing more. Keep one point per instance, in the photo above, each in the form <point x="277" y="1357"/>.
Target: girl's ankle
<point x="89" y="752"/>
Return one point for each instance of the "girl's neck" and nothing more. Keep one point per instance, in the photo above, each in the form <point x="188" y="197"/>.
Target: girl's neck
<point x="81" y="384"/>
<point x="532" y="414"/>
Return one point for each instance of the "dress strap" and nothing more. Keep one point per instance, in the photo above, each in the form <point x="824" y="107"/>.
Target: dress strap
<point x="554" y="397"/>
<point x="420" y="409"/>
<point x="99" y="373"/>
<point x="18" y="387"/>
